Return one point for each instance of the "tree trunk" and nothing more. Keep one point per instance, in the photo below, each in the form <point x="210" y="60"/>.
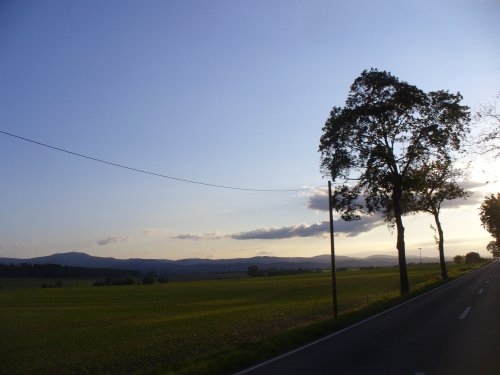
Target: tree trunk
<point x="403" y="271"/>
<point x="442" y="261"/>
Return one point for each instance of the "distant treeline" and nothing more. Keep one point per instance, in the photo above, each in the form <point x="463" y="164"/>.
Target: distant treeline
<point x="150" y="278"/>
<point x="63" y="272"/>
<point x="255" y="271"/>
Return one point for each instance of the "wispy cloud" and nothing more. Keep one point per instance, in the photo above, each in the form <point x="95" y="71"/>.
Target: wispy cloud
<point x="197" y="237"/>
<point x="6" y="246"/>
<point x="155" y="231"/>
<point x="112" y="240"/>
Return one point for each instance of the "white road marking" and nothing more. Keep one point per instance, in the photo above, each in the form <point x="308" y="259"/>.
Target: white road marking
<point x="464" y="314"/>
<point x="480" y="291"/>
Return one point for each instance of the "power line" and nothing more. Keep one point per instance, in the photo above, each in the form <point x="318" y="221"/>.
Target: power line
<point x="148" y="172"/>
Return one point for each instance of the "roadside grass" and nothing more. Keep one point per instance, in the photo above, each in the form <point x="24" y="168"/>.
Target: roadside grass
<point x="203" y="327"/>
<point x="423" y="278"/>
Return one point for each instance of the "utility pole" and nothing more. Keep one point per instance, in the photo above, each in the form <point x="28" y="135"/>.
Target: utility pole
<point x="332" y="245"/>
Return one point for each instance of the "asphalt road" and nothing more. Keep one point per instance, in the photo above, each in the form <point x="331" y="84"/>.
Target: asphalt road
<point x="454" y="329"/>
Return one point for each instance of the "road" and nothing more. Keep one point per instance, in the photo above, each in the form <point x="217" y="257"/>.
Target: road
<point x="454" y="329"/>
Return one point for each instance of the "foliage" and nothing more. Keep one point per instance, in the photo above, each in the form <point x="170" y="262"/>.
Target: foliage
<point x="432" y="183"/>
<point x="472" y="257"/>
<point x="386" y="129"/>
<point x="489" y="214"/>
<point x="458" y="259"/>
<point x="114" y="282"/>
<point x="57" y="271"/>
<point x="488" y="141"/>
<point x="57" y="284"/>
<point x="494" y="249"/>
<point x="149" y="279"/>
<point x="254" y="271"/>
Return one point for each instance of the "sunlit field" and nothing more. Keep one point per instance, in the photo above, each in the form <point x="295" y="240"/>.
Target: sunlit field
<point x="169" y="328"/>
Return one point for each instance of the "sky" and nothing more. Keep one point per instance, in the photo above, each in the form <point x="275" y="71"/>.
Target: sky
<point x="227" y="93"/>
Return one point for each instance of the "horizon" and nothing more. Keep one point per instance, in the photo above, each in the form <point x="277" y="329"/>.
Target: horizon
<point x="367" y="256"/>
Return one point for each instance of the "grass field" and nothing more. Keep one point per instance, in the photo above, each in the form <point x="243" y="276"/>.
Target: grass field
<point x="185" y="327"/>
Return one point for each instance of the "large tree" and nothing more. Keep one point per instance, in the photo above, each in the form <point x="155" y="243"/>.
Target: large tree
<point x="432" y="183"/>
<point x="386" y="128"/>
<point x="489" y="214"/>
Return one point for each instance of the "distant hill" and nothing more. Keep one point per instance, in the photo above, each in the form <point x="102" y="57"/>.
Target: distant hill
<point x="190" y="266"/>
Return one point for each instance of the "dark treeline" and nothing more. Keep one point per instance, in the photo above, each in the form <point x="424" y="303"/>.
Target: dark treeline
<point x="62" y="272"/>
<point x="255" y="271"/>
<point x="150" y="278"/>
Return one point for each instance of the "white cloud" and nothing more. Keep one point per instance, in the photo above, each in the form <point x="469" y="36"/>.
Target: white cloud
<point x="155" y="231"/>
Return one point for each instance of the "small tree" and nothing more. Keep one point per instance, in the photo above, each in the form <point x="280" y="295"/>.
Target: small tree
<point x="149" y="279"/>
<point x="433" y="183"/>
<point x="386" y="128"/>
<point x="489" y="214"/>
<point x="472" y="257"/>
<point x="458" y="259"/>
<point x="254" y="271"/>
<point x="494" y="249"/>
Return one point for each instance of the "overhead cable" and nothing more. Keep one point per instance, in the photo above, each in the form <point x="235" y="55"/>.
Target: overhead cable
<point x="149" y="172"/>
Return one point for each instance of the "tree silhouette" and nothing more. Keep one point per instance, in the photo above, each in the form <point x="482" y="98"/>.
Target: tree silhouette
<point x="489" y="214"/>
<point x="494" y="249"/>
<point x="387" y="128"/>
<point x="472" y="257"/>
<point x="433" y="183"/>
<point x="488" y="141"/>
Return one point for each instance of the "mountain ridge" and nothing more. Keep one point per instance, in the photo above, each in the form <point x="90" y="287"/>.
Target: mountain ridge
<point x="199" y="265"/>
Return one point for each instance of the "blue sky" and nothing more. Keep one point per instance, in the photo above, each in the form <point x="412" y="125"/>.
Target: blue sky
<point x="230" y="93"/>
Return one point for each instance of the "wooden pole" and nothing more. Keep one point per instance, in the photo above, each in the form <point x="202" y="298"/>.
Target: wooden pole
<point x="332" y="246"/>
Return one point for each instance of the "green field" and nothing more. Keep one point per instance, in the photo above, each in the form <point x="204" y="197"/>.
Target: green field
<point x="185" y="327"/>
